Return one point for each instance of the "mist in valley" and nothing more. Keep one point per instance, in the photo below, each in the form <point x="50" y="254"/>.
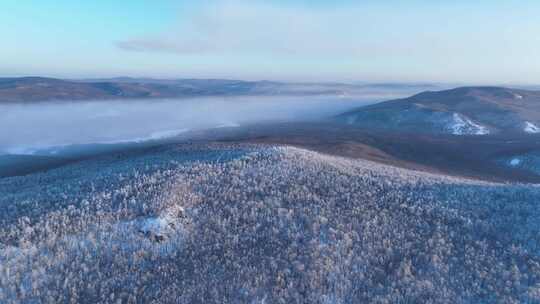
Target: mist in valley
<point x="48" y="126"/>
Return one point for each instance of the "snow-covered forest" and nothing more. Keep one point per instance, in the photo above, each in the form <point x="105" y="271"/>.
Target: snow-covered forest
<point x="263" y="224"/>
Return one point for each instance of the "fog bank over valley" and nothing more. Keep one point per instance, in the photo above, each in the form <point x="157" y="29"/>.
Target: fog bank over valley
<point x="43" y="128"/>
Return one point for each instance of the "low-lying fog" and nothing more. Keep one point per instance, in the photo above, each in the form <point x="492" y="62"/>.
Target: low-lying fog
<point x="28" y="128"/>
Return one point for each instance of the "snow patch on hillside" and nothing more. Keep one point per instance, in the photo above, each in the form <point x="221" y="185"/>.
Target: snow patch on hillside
<point x="531" y="128"/>
<point x="515" y="162"/>
<point x="162" y="226"/>
<point x="461" y="125"/>
<point x="528" y="162"/>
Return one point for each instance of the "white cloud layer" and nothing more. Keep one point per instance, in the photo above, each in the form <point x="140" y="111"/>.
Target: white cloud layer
<point x="257" y="28"/>
<point x="457" y="41"/>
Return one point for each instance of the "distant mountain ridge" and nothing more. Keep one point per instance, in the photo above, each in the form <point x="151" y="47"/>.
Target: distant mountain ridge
<point x="32" y="89"/>
<point x="460" y="111"/>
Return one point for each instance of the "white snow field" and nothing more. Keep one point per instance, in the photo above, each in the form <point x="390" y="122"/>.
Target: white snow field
<point x="263" y="224"/>
<point x="515" y="162"/>
<point x="461" y="125"/>
<point x="531" y="128"/>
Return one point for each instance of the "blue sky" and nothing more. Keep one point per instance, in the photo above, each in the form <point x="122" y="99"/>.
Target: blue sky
<point x="484" y="42"/>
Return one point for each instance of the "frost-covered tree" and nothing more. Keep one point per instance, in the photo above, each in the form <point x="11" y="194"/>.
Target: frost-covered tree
<point x="261" y="224"/>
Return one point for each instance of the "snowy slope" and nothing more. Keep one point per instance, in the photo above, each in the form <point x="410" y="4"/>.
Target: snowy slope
<point x="461" y="125"/>
<point x="531" y="128"/>
<point x="261" y="224"/>
<point x="460" y="111"/>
